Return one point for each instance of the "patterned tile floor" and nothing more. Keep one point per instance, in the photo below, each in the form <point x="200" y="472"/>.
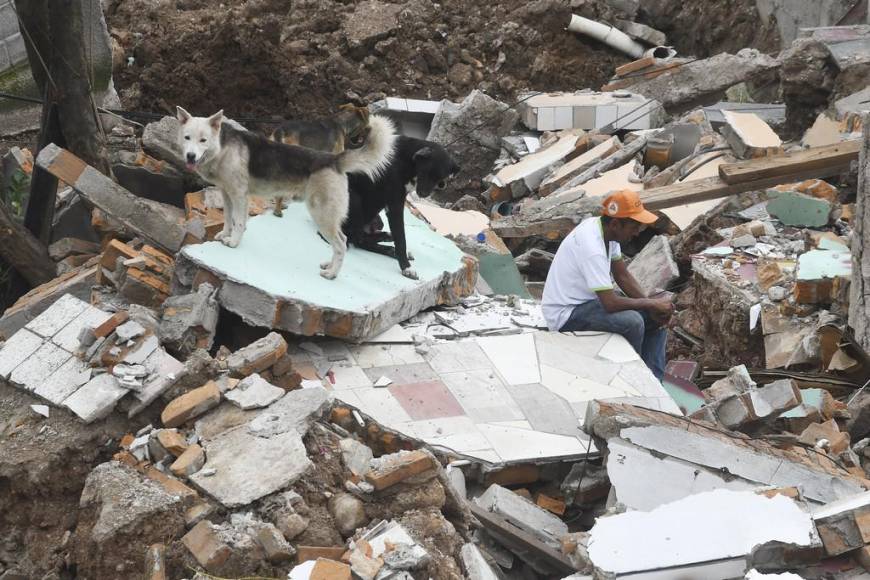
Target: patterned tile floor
<point x="500" y="399"/>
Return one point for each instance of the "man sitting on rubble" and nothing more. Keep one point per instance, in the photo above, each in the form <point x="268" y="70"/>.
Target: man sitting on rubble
<point x="579" y="293"/>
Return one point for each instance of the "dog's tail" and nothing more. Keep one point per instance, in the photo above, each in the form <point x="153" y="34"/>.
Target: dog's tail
<point x="374" y="157"/>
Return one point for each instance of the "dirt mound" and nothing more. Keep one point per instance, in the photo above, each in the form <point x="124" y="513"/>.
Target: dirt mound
<point x="274" y="58"/>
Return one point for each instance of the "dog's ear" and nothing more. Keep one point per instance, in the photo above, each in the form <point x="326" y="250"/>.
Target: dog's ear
<point x="424" y="153"/>
<point x="363" y="113"/>
<point x="182" y="115"/>
<point x="216" y="120"/>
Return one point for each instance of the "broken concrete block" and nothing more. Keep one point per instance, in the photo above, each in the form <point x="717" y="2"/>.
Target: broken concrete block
<point x="96" y="399"/>
<point x="684" y="87"/>
<point x="578" y="165"/>
<point x="188" y="462"/>
<point x="749" y="136"/>
<point x="524" y="514"/>
<point x="72" y="247"/>
<point x="294" y="412"/>
<point x="388" y="470"/>
<point x="276" y="548"/>
<point x="654" y="267"/>
<point x="158" y="223"/>
<point x="798" y="209"/>
<point x="259" y="290"/>
<point x="155" y="562"/>
<point x="233" y="473"/>
<point x="826" y="436"/>
<point x="475" y="565"/>
<point x="524" y="176"/>
<point x="189" y="321"/>
<point x="369" y="22"/>
<point x="642" y="32"/>
<point x="844" y="525"/>
<point x="736" y="382"/>
<point x="150" y="178"/>
<point x="254" y="392"/>
<point x="191" y="405"/>
<point x="348" y="512"/>
<point x="363" y="567"/>
<point x="206" y="545"/>
<point x="773" y="399"/>
<point x="818" y="273"/>
<point x="291" y="525"/>
<point x="257" y="356"/>
<point x="671" y="538"/>
<point x="356" y="456"/>
<point x="589" y="110"/>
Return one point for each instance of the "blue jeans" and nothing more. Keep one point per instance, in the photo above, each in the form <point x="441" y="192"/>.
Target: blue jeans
<point x="648" y="338"/>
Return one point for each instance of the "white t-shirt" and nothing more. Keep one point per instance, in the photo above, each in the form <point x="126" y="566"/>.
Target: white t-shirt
<point x="581" y="267"/>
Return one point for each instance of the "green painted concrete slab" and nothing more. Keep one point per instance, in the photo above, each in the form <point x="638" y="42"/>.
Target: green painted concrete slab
<point x="273" y="277"/>
<point x="819" y="264"/>
<point x="796" y="209"/>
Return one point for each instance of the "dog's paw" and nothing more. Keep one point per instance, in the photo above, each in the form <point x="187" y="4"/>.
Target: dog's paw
<point x="221" y="235"/>
<point x="410" y="256"/>
<point x="410" y="273"/>
<point x="231" y="241"/>
<point x="329" y="274"/>
<point x="278" y="211"/>
<point x="325" y="265"/>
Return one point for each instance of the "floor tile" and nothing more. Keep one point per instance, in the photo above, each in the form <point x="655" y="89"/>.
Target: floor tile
<point x="569" y="354"/>
<point x="638" y="375"/>
<point x="462" y="442"/>
<point x="488" y="455"/>
<point x="380" y="404"/>
<point x="451" y="357"/>
<point x="440" y="427"/>
<point x="64" y="381"/>
<point x="17" y="349"/>
<point x="483" y="396"/>
<point x="383" y="355"/>
<point x="588" y="343"/>
<point x="514" y="356"/>
<point x="56" y="316"/>
<point x="426" y="400"/>
<point x="628" y="390"/>
<point x="33" y="371"/>
<point x="349" y="378"/>
<point x="618" y="350"/>
<point x="544" y="410"/>
<point x="514" y="424"/>
<point x="576" y="389"/>
<point x="68" y="337"/>
<point x="395" y="334"/>
<point x="403" y="374"/>
<point x="522" y="445"/>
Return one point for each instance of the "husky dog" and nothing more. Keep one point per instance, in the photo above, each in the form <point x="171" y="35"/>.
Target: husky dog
<point x="348" y="129"/>
<point x="242" y="164"/>
<point x="417" y="164"/>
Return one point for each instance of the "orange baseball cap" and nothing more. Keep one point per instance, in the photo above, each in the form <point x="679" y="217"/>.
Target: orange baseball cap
<point x="625" y="203"/>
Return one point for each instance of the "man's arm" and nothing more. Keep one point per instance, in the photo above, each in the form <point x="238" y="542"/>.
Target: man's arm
<point x="613" y="302"/>
<point x="625" y="280"/>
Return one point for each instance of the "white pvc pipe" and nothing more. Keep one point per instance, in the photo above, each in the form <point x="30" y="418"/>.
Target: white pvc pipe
<point x="606" y="34"/>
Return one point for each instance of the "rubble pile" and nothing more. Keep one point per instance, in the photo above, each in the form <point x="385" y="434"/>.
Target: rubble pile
<point x="171" y="407"/>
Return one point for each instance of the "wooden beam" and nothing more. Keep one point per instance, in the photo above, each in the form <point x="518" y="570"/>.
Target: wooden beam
<point x="821" y="160"/>
<point x="716" y="188"/>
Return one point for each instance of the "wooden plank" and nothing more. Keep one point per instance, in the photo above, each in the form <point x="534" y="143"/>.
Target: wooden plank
<point x="23" y="251"/>
<point x="635" y="66"/>
<point x="781" y="166"/>
<point x="518" y="539"/>
<point x="716" y="188"/>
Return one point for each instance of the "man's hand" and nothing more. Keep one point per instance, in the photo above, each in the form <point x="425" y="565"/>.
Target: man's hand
<point x="661" y="311"/>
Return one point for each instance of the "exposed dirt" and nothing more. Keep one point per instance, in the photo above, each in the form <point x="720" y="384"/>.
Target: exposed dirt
<point x="276" y="58"/>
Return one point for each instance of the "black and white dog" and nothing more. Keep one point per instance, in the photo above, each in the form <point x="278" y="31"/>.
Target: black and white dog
<point x="415" y="163"/>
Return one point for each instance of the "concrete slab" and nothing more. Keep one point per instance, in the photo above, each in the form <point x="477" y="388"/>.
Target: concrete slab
<point x="247" y="467"/>
<point x="797" y="209"/>
<point x="272" y="279"/>
<point x="254" y="392"/>
<point x="672" y="537"/>
<point x="539" y="112"/>
<point x="524" y="514"/>
<point x="654" y="267"/>
<point x="96" y="399"/>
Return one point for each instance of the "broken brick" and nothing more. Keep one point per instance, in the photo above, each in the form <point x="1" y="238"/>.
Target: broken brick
<point x="844" y="525"/>
<point x="188" y="462"/>
<point x="144" y="288"/>
<point x="749" y="136"/>
<point x="306" y="553"/>
<point x="155" y="562"/>
<point x="205" y="544"/>
<point x="397" y="467"/>
<point x="837" y="441"/>
<point x="191" y="405"/>
<point x="172" y="441"/>
<point x="276" y="548"/>
<point x="330" y="570"/>
<point x="514" y="475"/>
<point x="172" y="485"/>
<point x="116" y="249"/>
<point x="109" y="326"/>
<point x="257" y="356"/>
<point x="551" y="504"/>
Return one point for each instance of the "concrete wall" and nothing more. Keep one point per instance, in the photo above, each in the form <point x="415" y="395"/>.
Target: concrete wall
<point x="791" y="15"/>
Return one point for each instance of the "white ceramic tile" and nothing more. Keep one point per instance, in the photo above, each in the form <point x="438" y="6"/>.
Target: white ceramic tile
<point x="629" y="391"/>
<point x="349" y="377"/>
<point x="347" y="396"/>
<point x="451" y="357"/>
<point x="381" y="405"/>
<point x="483" y="396"/>
<point x="638" y="375"/>
<point x="576" y="355"/>
<point x="575" y="389"/>
<point x="514" y="356"/>
<point x="383" y="355"/>
<point x="17" y="349"/>
<point x="462" y="442"/>
<point x="68" y="337"/>
<point x="64" y="381"/>
<point x="38" y="366"/>
<point x="523" y="445"/>
<point x="618" y="350"/>
<point x="488" y="455"/>
<point x="395" y="334"/>
<point x="56" y="316"/>
<point x="514" y="424"/>
<point x="439" y="427"/>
